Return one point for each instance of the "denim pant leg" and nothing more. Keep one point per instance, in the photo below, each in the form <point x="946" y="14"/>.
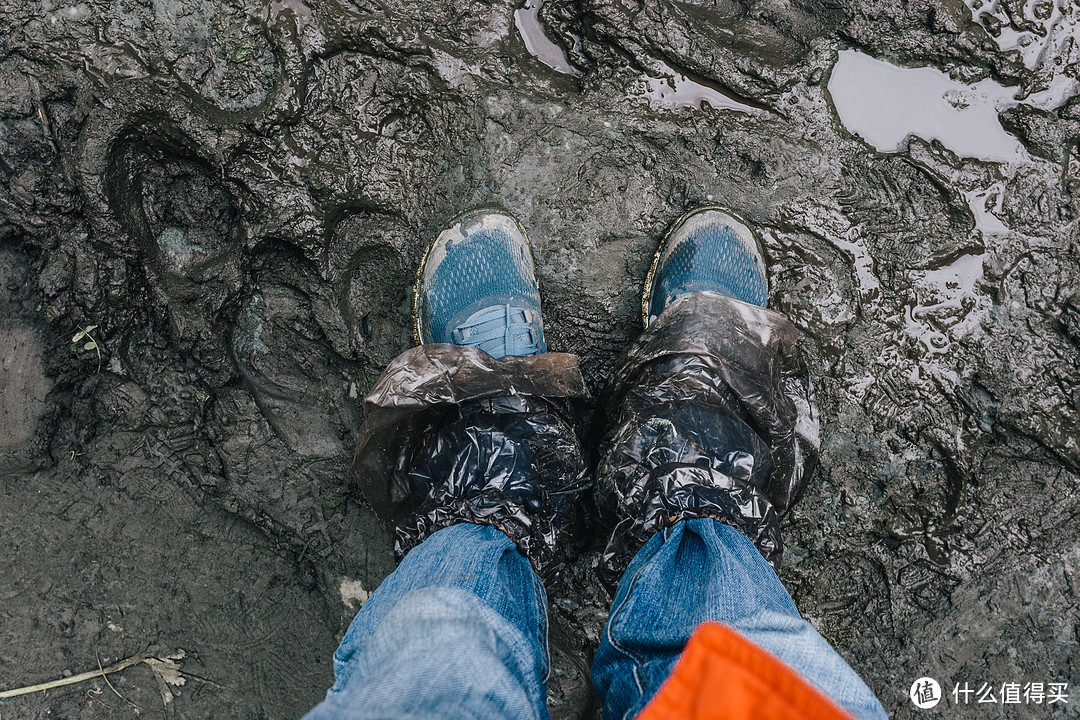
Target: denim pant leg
<point x="701" y="570"/>
<point x="459" y="630"/>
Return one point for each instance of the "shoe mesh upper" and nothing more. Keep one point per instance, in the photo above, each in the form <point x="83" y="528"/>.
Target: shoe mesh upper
<point x="710" y="251"/>
<point x="478" y="264"/>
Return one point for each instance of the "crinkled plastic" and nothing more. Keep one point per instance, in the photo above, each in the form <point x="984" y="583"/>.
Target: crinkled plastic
<point x="452" y="435"/>
<point x="708" y="414"/>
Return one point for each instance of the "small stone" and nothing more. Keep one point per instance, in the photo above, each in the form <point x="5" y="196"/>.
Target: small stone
<point x="991" y="24"/>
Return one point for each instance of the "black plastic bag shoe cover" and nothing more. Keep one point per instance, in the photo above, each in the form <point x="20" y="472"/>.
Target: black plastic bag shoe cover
<point x="708" y="414"/>
<point x="453" y="435"/>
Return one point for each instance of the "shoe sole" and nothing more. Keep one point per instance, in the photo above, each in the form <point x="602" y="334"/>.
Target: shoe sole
<point x="646" y="296"/>
<point x="417" y="335"/>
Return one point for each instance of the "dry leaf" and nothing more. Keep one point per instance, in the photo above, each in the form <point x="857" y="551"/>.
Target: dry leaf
<point x="167" y="672"/>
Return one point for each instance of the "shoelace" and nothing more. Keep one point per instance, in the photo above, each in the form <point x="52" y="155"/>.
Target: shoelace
<point x="499" y="331"/>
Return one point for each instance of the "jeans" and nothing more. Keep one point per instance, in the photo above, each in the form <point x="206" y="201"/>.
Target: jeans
<point x="459" y="630"/>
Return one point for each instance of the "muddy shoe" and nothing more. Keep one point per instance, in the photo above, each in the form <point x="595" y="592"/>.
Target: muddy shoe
<point x="477" y="287"/>
<point x="709" y="412"/>
<point x="706" y="249"/>
<point x="452" y="435"/>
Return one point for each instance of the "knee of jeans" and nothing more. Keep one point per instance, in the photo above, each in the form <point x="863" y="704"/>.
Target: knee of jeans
<point x="431" y="611"/>
<point x="423" y="602"/>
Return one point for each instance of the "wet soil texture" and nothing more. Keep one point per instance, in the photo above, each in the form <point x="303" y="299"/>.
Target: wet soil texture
<point x="225" y="202"/>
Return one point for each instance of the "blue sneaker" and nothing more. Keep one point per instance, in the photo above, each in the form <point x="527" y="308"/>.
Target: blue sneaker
<point x="706" y="249"/>
<point x="477" y="287"/>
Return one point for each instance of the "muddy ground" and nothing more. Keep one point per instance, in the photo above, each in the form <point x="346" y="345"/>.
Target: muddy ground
<point x="231" y="197"/>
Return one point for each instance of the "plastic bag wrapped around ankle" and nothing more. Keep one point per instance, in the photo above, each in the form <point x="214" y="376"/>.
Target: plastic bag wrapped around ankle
<point x="708" y="414"/>
<point x="452" y="435"/>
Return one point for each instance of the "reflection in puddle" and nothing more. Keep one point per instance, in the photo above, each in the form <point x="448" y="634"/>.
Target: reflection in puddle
<point x="665" y="87"/>
<point x="884" y="104"/>
<point x="539" y="45"/>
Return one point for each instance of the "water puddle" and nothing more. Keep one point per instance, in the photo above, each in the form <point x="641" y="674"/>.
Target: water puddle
<point x="539" y="45"/>
<point x="667" y="88"/>
<point x="985" y="204"/>
<point x="884" y="104"/>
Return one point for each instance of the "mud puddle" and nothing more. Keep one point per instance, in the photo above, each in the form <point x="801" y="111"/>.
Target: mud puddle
<point x="885" y="104"/>
<point x="539" y="45"/>
<point x="665" y="87"/>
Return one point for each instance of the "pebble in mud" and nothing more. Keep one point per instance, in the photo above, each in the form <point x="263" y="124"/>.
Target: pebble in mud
<point x="238" y="198"/>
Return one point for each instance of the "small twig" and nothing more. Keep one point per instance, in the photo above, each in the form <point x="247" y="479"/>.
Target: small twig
<point x="166" y="672"/>
<point x="115" y="691"/>
<point x="202" y="680"/>
<point x="43" y="117"/>
<point x="95" y="693"/>
<point x="81" y="677"/>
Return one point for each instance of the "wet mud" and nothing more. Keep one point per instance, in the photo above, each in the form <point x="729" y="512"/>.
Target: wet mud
<point x="232" y="197"/>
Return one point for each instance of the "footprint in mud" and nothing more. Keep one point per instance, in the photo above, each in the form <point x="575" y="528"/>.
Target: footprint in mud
<point x="911" y="219"/>
<point x="848" y="593"/>
<point x="590" y="312"/>
<point x="300" y="383"/>
<point x="186" y="226"/>
<point x="373" y="304"/>
<point x="193" y="221"/>
<point x="927" y="585"/>
<point x="814" y="289"/>
<point x="367" y="254"/>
